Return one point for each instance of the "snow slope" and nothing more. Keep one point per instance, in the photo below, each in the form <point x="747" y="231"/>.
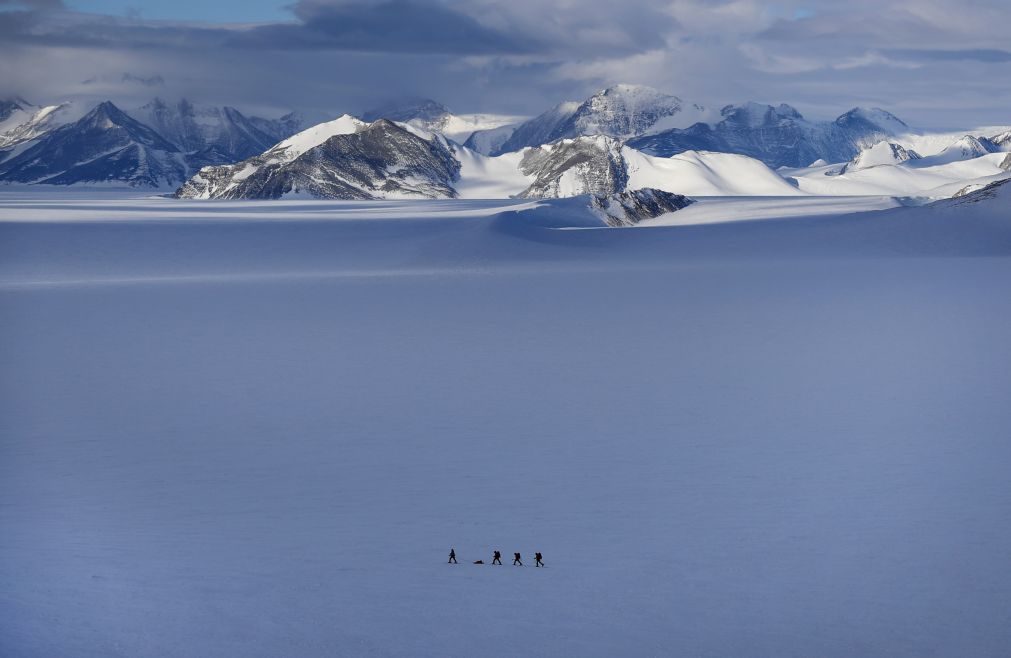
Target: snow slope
<point x="698" y="173"/>
<point x="483" y="177"/>
<point x="881" y="154"/>
<point x="713" y="210"/>
<point x="691" y="173"/>
<point x="226" y="434"/>
<point x="28" y="122"/>
<point x="294" y="146"/>
<point x="917" y="177"/>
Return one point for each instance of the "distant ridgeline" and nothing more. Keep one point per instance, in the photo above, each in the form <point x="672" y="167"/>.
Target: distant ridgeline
<point x="621" y="139"/>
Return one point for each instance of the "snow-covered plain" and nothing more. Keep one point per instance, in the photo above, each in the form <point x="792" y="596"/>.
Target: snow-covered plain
<point x="258" y="428"/>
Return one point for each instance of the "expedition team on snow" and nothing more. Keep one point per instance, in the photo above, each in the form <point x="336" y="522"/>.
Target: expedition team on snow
<point x="496" y="558"/>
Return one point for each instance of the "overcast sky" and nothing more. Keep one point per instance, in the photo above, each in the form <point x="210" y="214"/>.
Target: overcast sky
<point x="935" y="63"/>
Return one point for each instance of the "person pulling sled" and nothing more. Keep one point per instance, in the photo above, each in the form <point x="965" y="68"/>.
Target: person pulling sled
<point x="537" y="558"/>
<point x="496" y="558"/>
<point x="516" y="560"/>
<point x="452" y="556"/>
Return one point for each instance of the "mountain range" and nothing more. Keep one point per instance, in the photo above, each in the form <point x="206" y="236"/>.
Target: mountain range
<point x="778" y="136"/>
<point x="157" y="145"/>
<point x="620" y="139"/>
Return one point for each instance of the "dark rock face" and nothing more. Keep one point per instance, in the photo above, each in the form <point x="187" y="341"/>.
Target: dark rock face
<point x="630" y="208"/>
<point x="381" y="160"/>
<point x="571" y="167"/>
<point x="778" y="136"/>
<point x="106" y="145"/>
<point x="1006" y="164"/>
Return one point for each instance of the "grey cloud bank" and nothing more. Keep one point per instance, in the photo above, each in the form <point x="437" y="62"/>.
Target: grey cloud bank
<point x="921" y="59"/>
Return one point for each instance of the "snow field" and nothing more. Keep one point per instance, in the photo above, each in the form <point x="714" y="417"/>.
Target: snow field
<point x="226" y="434"/>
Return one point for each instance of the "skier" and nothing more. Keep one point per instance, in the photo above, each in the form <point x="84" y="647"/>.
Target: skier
<point x="516" y="559"/>
<point x="497" y="558"/>
<point x="537" y="557"/>
<point x="452" y="556"/>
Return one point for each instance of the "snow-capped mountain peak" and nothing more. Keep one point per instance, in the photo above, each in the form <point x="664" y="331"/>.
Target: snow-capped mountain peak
<point x="31" y="122"/>
<point x="299" y="143"/>
<point x="212" y="134"/>
<point x="967" y="147"/>
<point x="875" y="116"/>
<point x="105" y="145"/>
<point x="622" y="111"/>
<point x="341" y="159"/>
<point x="107" y="117"/>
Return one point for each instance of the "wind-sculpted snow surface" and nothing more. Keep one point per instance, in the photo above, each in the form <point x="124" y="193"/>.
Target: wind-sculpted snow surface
<point x="257" y="428"/>
<point x="372" y="161"/>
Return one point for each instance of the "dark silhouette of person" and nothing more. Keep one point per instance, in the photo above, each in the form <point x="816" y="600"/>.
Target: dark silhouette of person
<point x="452" y="556"/>
<point x="516" y="560"/>
<point x="497" y="558"/>
<point x="538" y="563"/>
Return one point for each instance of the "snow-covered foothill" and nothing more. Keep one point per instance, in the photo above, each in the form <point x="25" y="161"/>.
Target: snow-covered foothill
<point x="881" y="154"/>
<point x="930" y="176"/>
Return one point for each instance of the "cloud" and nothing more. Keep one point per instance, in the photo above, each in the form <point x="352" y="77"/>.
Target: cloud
<point x="521" y="56"/>
<point x="128" y="79"/>
<point x="32" y="4"/>
<point x="390" y="26"/>
<point x="970" y="55"/>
